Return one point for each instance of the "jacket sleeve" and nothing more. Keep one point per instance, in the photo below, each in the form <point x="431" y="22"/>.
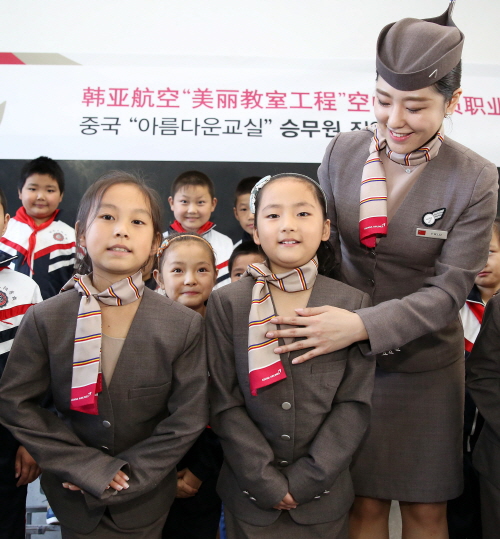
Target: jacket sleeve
<point x="246" y="450"/>
<point x="436" y="304"/>
<point x="24" y="384"/>
<point x="341" y="433"/>
<point x="483" y="366"/>
<point x="204" y="459"/>
<point x="152" y="459"/>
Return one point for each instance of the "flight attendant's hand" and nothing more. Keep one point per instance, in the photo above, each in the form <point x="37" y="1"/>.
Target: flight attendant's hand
<point x="326" y="329"/>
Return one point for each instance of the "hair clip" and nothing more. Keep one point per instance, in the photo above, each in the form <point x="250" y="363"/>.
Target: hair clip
<point x="255" y="191"/>
<point x="164" y="244"/>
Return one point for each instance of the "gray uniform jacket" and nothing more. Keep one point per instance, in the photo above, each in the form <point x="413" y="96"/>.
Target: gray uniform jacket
<point x="296" y="435"/>
<point x="149" y="416"/>
<point x="483" y="382"/>
<point x="417" y="283"/>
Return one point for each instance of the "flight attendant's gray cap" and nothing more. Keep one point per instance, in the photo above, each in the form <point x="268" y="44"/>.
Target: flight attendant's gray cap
<point x="416" y="53"/>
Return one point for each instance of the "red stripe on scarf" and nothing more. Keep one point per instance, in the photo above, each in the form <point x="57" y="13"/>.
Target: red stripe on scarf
<point x="265" y="376"/>
<point x="370" y="227"/>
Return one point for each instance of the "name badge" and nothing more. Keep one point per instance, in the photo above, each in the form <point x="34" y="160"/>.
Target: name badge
<point x="428" y="233"/>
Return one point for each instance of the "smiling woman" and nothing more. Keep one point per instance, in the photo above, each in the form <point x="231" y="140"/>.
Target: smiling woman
<point x="408" y="120"/>
<point x="412" y="232"/>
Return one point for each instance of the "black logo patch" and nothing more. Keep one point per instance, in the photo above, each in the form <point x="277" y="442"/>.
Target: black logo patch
<point x="431" y="217"/>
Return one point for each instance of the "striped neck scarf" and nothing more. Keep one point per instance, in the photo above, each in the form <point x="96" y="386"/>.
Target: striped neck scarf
<point x="264" y="365"/>
<point x="86" y="382"/>
<point x="373" y="192"/>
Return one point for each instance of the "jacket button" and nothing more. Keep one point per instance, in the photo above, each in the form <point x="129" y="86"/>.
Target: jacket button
<point x="317" y="497"/>
<point x="286" y="406"/>
<point x="285" y="437"/>
<point x="373" y="253"/>
<point x="326" y="492"/>
<point x="246" y="493"/>
<point x="371" y="281"/>
<point x="105" y="448"/>
<point x="283" y="463"/>
<point x="106" y="424"/>
<point x="253" y="499"/>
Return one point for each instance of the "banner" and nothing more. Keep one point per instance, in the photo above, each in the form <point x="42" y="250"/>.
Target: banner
<point x="197" y="109"/>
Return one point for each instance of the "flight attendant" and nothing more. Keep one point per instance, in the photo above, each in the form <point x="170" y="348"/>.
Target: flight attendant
<point x="411" y="213"/>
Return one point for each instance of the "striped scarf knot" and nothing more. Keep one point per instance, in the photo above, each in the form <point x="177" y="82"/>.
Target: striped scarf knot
<point x="86" y="381"/>
<point x="373" y="193"/>
<point x="264" y="366"/>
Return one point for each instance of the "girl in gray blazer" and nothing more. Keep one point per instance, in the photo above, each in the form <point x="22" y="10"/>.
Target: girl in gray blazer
<point x="288" y="431"/>
<point x="126" y="369"/>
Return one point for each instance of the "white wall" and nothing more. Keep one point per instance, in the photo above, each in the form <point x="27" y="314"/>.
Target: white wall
<point x="262" y="28"/>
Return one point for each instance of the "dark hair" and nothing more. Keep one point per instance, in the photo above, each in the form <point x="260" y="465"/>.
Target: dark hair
<point x="91" y="201"/>
<point x="193" y="178"/>
<point x="245" y="187"/>
<point x="3" y="201"/>
<point x="451" y="82"/>
<point x="243" y="249"/>
<point x="184" y="237"/>
<point x="496" y="228"/>
<point x="325" y="252"/>
<point x="42" y="165"/>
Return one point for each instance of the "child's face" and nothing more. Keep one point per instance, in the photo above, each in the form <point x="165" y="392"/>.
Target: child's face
<point x="4" y="220"/>
<point x="489" y="276"/>
<point x="187" y="274"/>
<point x="192" y="206"/>
<point x="240" y="265"/>
<point x="40" y="197"/>
<point x="243" y="214"/>
<point x="290" y="224"/>
<point x="120" y="238"/>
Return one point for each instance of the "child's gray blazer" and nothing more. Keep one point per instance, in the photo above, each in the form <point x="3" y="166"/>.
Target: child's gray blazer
<point x="296" y="435"/>
<point x="149" y="416"/>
